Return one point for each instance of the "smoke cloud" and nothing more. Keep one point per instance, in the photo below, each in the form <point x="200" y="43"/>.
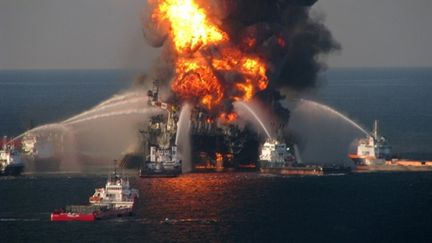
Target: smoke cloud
<point x="282" y="32"/>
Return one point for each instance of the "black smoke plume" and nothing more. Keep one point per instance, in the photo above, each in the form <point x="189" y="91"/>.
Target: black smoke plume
<point x="285" y="33"/>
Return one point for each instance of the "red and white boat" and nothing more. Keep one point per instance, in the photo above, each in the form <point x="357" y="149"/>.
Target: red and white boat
<point x="116" y="199"/>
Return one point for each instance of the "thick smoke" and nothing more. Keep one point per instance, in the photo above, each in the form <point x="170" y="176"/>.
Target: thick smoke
<point x="281" y="32"/>
<point x="286" y="36"/>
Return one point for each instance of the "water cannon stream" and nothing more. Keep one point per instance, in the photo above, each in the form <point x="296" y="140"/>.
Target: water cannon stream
<point x="326" y="108"/>
<point x="255" y="116"/>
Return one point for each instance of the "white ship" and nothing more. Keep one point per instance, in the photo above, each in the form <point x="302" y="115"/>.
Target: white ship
<point x="275" y="154"/>
<point x="10" y="159"/>
<point x="374" y="153"/>
<point x="116" y="199"/>
<point x="116" y="193"/>
<point x="373" y="150"/>
<point x="279" y="158"/>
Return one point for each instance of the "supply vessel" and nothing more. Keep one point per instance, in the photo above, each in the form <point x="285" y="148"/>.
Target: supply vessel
<point x="279" y="158"/>
<point x="10" y="159"/>
<point x="374" y="154"/>
<point x="116" y="199"/>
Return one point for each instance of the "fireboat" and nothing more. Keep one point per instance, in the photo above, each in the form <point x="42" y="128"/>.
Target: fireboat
<point x="374" y="154"/>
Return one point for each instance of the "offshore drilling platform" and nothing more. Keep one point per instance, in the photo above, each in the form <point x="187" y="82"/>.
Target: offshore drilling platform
<point x="216" y="142"/>
<point x="216" y="53"/>
<point x="160" y="155"/>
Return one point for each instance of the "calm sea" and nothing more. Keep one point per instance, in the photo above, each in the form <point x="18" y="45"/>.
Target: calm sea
<point x="231" y="207"/>
<point x="399" y="98"/>
<point x="41" y="97"/>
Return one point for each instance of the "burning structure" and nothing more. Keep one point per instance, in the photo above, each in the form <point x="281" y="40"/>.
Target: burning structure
<point x="215" y="53"/>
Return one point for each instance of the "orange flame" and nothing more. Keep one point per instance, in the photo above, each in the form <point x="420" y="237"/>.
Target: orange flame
<point x="219" y="157"/>
<point x="204" y="54"/>
<point x="195" y="79"/>
<point x="228" y="117"/>
<point x="189" y="23"/>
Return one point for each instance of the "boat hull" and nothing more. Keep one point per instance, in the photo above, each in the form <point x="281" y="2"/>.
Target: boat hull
<point x="148" y="173"/>
<point x="67" y="217"/>
<point x="293" y="171"/>
<point x="158" y="174"/>
<point x="91" y="216"/>
<point x="391" y="168"/>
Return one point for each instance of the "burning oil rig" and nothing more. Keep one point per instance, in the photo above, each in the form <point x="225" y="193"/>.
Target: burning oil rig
<point x="216" y="144"/>
<point x="219" y="52"/>
<point x="159" y="147"/>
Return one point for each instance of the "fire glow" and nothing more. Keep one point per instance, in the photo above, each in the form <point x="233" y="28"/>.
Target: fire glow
<point x="208" y="68"/>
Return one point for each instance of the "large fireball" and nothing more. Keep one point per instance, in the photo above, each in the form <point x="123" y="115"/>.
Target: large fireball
<point x="208" y="68"/>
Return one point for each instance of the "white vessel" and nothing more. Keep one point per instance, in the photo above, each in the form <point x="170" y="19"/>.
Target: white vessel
<point x="275" y="154"/>
<point x="10" y="160"/>
<point x="373" y="150"/>
<point x="116" y="199"/>
<point x="116" y="193"/>
<point x="279" y="158"/>
<point x="375" y="154"/>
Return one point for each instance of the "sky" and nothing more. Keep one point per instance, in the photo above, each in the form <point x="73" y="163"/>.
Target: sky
<point x="105" y="34"/>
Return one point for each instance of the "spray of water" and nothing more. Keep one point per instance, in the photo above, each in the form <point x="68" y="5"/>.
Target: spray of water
<point x="183" y="137"/>
<point x="101" y="109"/>
<point x="47" y="127"/>
<point x="246" y="107"/>
<point x="315" y="105"/>
<point x="120" y="97"/>
<point x="114" y="114"/>
<point x="297" y="154"/>
<point x="322" y="134"/>
<point x="80" y="132"/>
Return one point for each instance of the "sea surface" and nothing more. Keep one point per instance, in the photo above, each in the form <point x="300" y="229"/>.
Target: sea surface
<point x="230" y="207"/>
<point x="400" y="99"/>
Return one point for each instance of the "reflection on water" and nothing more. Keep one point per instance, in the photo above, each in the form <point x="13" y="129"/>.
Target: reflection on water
<point x="192" y="196"/>
<point x="229" y="207"/>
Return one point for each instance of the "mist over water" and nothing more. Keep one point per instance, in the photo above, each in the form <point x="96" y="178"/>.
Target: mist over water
<point x="114" y="103"/>
<point x="101" y="134"/>
<point x="325" y="135"/>
<point x="183" y="138"/>
<point x="254" y="114"/>
<point x="234" y="207"/>
<point x="397" y="99"/>
<point x="315" y="106"/>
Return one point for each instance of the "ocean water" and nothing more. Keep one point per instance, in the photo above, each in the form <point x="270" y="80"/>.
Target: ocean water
<point x="230" y="207"/>
<point x="42" y="97"/>
<point x="399" y="98"/>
